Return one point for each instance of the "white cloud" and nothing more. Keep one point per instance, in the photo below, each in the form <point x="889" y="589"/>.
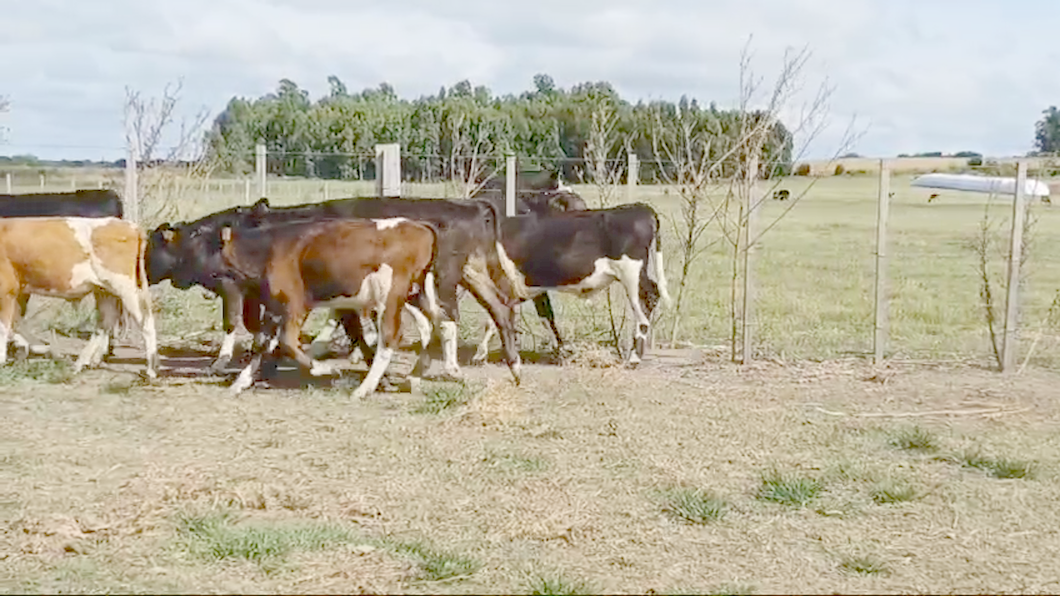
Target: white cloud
<point x="921" y="75"/>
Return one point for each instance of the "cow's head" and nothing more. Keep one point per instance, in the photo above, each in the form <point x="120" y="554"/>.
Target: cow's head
<point x="163" y="253"/>
<point x="566" y="200"/>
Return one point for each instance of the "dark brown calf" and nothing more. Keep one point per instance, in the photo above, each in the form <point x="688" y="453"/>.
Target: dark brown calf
<point x="353" y="266"/>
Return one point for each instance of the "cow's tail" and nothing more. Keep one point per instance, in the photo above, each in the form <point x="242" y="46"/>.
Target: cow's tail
<point x="515" y="279"/>
<point x="430" y="290"/>
<point x="656" y="270"/>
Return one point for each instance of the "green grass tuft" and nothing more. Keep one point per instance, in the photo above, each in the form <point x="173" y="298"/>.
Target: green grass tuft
<point x="865" y="565"/>
<point x="558" y="586"/>
<point x="914" y="438"/>
<point x="693" y="506"/>
<point x="892" y="491"/>
<point x="214" y="536"/>
<point x="444" y="396"/>
<point x="434" y="565"/>
<point x="998" y="467"/>
<point x="44" y="370"/>
<point x="788" y="489"/>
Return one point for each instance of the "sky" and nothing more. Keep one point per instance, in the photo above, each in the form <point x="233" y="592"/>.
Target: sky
<point x="905" y="76"/>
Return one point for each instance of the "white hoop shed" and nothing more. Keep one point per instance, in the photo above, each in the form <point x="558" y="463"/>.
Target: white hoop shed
<point x="985" y="184"/>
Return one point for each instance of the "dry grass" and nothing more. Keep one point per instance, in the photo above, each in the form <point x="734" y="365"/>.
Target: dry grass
<point x="568" y="483"/>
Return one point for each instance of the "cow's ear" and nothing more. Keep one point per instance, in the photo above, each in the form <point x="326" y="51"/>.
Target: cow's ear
<point x="168" y="235"/>
<point x="226" y="234"/>
<point x="261" y="206"/>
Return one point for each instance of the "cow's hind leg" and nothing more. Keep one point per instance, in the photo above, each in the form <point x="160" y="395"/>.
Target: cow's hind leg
<point x="389" y="322"/>
<point x="489" y="328"/>
<point x="629" y="273"/>
<point x="544" y="311"/>
<point x="265" y="341"/>
<point x="423" y="326"/>
<point x="109" y="313"/>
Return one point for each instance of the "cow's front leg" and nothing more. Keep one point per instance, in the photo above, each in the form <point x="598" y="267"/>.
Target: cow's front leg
<point x="233" y="309"/>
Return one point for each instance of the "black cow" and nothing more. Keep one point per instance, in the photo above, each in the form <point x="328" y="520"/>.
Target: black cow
<point x="80" y="203"/>
<point x="525" y="181"/>
<point x="469" y="254"/>
<point x="541" y="203"/>
<point x="582" y="252"/>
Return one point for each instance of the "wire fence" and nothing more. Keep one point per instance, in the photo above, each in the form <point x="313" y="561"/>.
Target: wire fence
<point x="944" y="277"/>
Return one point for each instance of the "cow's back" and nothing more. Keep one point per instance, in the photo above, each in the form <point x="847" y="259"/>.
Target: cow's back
<point x="80" y="203"/>
<point x="67" y="255"/>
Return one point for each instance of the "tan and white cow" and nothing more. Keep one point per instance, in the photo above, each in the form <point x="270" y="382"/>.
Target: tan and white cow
<point x="71" y="257"/>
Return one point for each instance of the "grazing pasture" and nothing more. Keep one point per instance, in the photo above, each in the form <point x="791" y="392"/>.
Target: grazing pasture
<point x="807" y="471"/>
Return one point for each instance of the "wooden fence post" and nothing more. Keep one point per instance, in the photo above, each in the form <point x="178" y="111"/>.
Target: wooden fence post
<point x="388" y="170"/>
<point x="750" y="209"/>
<point x="883" y="201"/>
<point x="509" y="185"/>
<point x="7" y="177"/>
<point x="42" y="181"/>
<point x="1019" y="213"/>
<point x="632" y="176"/>
<point x="260" y="170"/>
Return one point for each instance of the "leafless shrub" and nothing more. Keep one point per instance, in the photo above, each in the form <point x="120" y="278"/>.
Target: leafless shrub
<point x="717" y="179"/>
<point x="164" y="172"/>
<point x="471" y="155"/>
<point x="990" y="247"/>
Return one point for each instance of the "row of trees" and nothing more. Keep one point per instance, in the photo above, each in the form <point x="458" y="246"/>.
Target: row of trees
<point x="458" y="130"/>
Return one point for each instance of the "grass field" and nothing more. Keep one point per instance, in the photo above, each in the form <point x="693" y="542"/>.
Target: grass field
<point x="687" y="475"/>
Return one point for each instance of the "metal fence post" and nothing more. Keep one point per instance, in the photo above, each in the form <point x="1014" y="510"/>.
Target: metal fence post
<point x="749" y="248"/>
<point x="879" y="338"/>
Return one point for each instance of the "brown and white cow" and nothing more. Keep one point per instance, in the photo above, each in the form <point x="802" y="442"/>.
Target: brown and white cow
<point x="352" y="266"/>
<point x="71" y="257"/>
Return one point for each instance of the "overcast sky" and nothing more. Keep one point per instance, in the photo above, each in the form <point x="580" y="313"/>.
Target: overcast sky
<point x="919" y="75"/>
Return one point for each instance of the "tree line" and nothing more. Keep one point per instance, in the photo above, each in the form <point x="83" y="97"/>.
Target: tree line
<point x="445" y="134"/>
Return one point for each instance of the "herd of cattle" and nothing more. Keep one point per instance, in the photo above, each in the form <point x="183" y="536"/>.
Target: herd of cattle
<point x="367" y="259"/>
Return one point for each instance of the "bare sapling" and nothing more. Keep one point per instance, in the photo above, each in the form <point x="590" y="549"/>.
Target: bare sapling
<point x="167" y="171"/>
<point x="602" y="171"/>
<point x="471" y="154"/>
<point x="710" y="172"/>
<point x="760" y="127"/>
<point x="989" y="246"/>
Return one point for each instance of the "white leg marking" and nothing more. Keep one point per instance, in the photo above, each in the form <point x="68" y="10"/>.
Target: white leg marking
<point x="423" y="326"/>
<point x="449" y="334"/>
<point x="228" y="347"/>
<point x="488" y="329"/>
<point x="431" y="292"/>
<point x="629" y="276"/>
<point x="375" y="373"/>
<point x="3" y="342"/>
<point x="244" y="380"/>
